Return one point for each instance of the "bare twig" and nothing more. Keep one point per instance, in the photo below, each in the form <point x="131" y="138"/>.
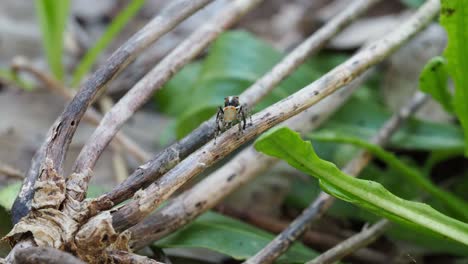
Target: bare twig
<point x="152" y="81"/>
<point x="242" y="168"/>
<point x="350" y="245"/>
<point x="283" y="241"/>
<point x="61" y="133"/>
<point x="118" y="161"/>
<point x="145" y="201"/>
<point x="10" y="171"/>
<point x="39" y="255"/>
<point x="315" y="239"/>
<point x="91" y="115"/>
<point x="170" y="157"/>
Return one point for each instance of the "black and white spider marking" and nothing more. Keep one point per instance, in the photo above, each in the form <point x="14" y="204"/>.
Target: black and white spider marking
<point x="231" y="113"/>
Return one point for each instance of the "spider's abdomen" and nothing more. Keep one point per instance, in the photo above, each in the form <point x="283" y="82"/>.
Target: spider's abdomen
<point x="230" y="113"/>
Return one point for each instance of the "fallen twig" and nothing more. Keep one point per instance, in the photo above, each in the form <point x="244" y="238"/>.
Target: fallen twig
<point x="118" y="161"/>
<point x="59" y="137"/>
<point x="172" y="155"/>
<point x="353" y="244"/>
<point x="242" y="168"/>
<point x="284" y="240"/>
<point x="314" y="239"/>
<point x="152" y="81"/>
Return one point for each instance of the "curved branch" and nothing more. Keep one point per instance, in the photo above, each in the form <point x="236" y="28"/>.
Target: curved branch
<point x="145" y="201"/>
<point x="152" y="81"/>
<point x="172" y="155"/>
<point x="350" y="245"/>
<point x="61" y="133"/>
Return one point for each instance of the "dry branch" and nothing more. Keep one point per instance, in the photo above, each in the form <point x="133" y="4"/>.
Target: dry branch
<point x="284" y="240"/>
<point x="59" y="137"/>
<point x="172" y="155"/>
<point x="352" y="244"/>
<point x="145" y="201"/>
<point x="242" y="168"/>
<point x="313" y="238"/>
<point x="152" y="81"/>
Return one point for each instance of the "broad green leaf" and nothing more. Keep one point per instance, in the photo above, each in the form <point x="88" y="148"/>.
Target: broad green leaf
<point x="412" y="175"/>
<point x="286" y="144"/>
<point x="362" y="118"/>
<point x="53" y="17"/>
<point x="174" y="97"/>
<point x="230" y="237"/>
<point x="111" y="32"/>
<point x="8" y="193"/>
<point x="434" y="81"/>
<point x="454" y="18"/>
<point x="234" y="62"/>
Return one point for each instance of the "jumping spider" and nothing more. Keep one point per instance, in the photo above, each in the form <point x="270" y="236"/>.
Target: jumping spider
<point x="231" y="113"/>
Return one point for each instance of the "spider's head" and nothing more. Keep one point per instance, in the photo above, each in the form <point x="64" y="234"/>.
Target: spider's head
<point x="231" y="101"/>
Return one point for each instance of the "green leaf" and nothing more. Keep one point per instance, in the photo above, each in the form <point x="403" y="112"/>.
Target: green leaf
<point x="433" y="80"/>
<point x="111" y="32"/>
<point x="362" y="118"/>
<point x="410" y="174"/>
<point x="53" y="17"/>
<point x="8" y="193"/>
<point x="286" y="144"/>
<point x="234" y="62"/>
<point x="230" y="237"/>
<point x="454" y="18"/>
<point x="174" y="98"/>
<point x="304" y="190"/>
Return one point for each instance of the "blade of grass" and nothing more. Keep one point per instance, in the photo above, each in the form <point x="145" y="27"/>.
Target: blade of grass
<point x="111" y="32"/>
<point x="52" y="19"/>
<point x="9" y="77"/>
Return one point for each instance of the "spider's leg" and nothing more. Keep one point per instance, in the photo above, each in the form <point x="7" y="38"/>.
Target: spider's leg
<point x="219" y="120"/>
<point x="242" y="113"/>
